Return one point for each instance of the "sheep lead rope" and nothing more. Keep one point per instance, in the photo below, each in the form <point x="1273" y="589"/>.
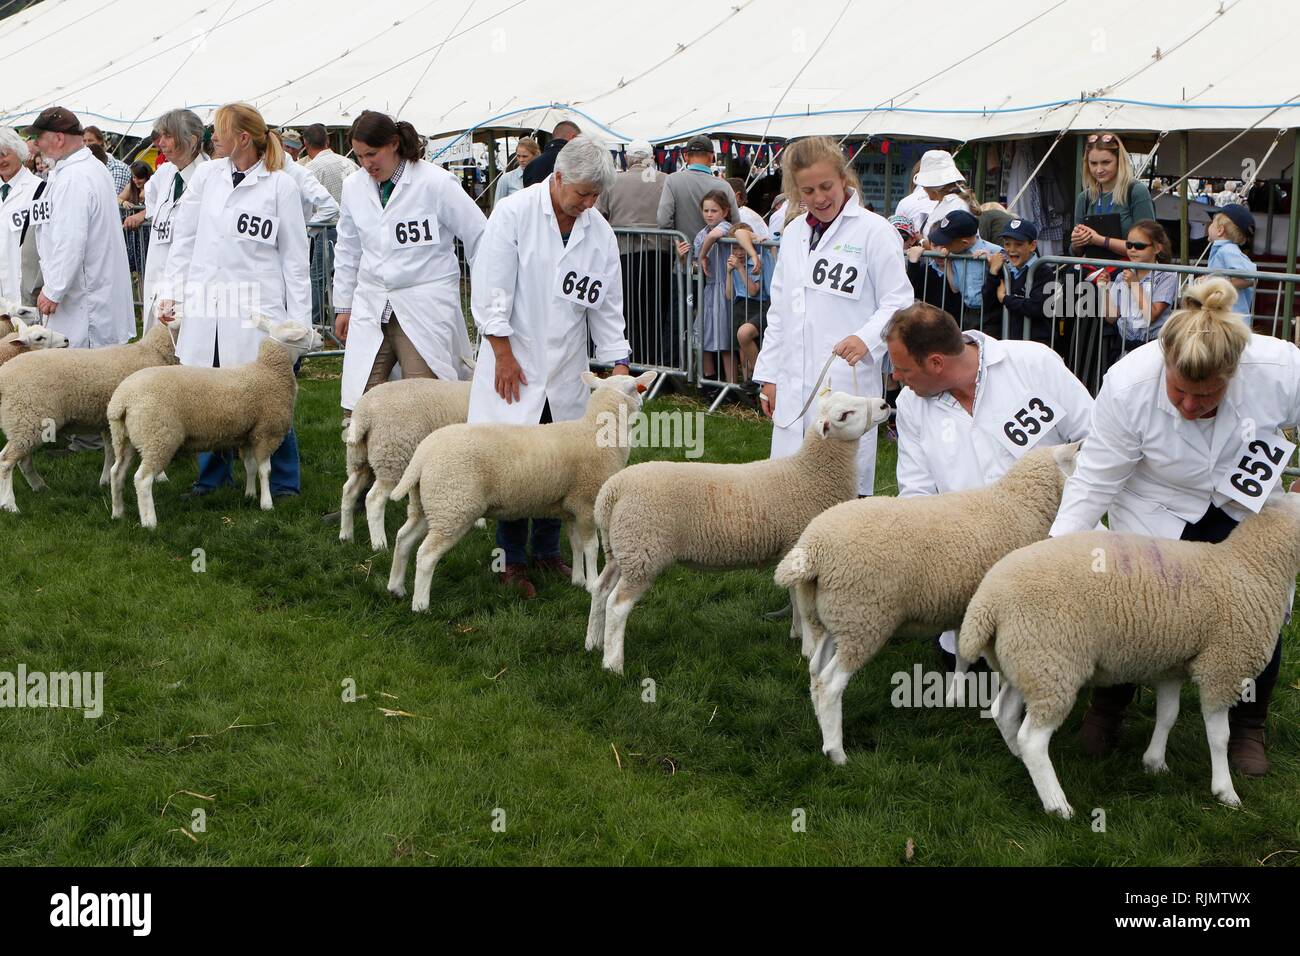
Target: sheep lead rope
<point x="813" y="394"/>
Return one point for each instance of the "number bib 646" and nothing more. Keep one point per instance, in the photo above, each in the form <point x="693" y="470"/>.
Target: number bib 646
<point x="1026" y="425"/>
<point x="413" y="232"/>
<point x="580" y="287"/>
<point x="258" y="228"/>
<point x="835" y="275"/>
<point x="1253" y="476"/>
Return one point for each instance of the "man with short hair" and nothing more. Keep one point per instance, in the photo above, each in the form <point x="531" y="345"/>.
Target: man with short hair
<point x="325" y="164"/>
<point x="679" y="203"/>
<point x="541" y="167"/>
<point x="972" y="405"/>
<point x="320" y="208"/>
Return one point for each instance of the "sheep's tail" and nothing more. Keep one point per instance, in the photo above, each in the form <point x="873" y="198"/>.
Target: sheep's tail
<point x="604" y="512"/>
<point x="356" y="434"/>
<point x="410" y="478"/>
<point x="797" y="567"/>
<point x="978" y="628"/>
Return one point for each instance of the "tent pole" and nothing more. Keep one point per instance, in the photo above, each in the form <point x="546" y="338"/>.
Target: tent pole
<point x="1289" y="309"/>
<point x="1183" y="232"/>
<point x="981" y="168"/>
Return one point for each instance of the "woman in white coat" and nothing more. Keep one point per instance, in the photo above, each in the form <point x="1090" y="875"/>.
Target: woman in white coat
<point x="17" y="184"/>
<point x="396" y="276"/>
<point x="1186" y="441"/>
<point x="239" y="248"/>
<point x="546" y="277"/>
<point x="839" y="278"/>
<point x="180" y="138"/>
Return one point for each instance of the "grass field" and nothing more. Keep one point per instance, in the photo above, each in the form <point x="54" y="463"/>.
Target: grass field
<point x="228" y="684"/>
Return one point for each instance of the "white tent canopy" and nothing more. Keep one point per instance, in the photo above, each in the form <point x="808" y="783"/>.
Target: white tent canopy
<point x="625" y="71"/>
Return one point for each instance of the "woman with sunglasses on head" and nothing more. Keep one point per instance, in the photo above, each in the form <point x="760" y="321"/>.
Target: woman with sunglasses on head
<point x="1108" y="189"/>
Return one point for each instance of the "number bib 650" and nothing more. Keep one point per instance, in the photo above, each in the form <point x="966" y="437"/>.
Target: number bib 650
<point x="835" y="275"/>
<point x="1254" y="475"/>
<point x="581" y="287"/>
<point x="1026" y="425"/>
<point x="258" y="228"/>
<point x="414" y="232"/>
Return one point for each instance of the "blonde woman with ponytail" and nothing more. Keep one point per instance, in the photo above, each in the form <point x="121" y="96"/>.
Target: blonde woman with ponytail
<point x="838" y="280"/>
<point x="1186" y="441"/>
<point x="239" y="249"/>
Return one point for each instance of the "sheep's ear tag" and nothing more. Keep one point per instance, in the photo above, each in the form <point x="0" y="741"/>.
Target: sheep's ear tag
<point x="640" y="388"/>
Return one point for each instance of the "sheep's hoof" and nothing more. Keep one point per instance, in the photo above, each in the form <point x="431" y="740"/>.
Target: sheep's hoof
<point x="481" y="523"/>
<point x="398" y="591"/>
<point x="160" y="477"/>
<point x="837" y="756"/>
<point x="345" y="533"/>
<point x="1154" y="764"/>
<point x="377" y="544"/>
<point x="614" y="667"/>
<point x="418" y="606"/>
<point x="267" y="506"/>
<point x="1228" y="798"/>
<point x="1059" y="808"/>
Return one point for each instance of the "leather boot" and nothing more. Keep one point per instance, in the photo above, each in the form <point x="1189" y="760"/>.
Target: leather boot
<point x="1104" y="721"/>
<point x="516" y="576"/>
<point x="1246" y="752"/>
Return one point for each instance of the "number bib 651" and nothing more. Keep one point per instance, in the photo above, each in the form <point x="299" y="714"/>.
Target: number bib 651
<point x="414" y="232"/>
<point x="580" y="287"/>
<point x="1253" y="476"/>
<point x="1026" y="425"/>
<point x="18" y="219"/>
<point x="258" y="228"/>
<point x="835" y="275"/>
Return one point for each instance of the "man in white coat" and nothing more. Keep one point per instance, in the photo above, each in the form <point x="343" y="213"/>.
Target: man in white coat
<point x="17" y="186"/>
<point x="87" y="290"/>
<point x="546" y="276"/>
<point x="972" y="405"/>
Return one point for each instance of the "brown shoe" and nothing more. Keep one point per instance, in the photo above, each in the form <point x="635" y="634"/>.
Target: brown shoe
<point x="1246" y="751"/>
<point x="555" y="564"/>
<point x="1100" y="731"/>
<point x="516" y="576"/>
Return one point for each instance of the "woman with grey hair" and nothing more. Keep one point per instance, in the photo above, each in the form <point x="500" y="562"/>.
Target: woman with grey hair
<point x="180" y="138"/>
<point x="18" y="186"/>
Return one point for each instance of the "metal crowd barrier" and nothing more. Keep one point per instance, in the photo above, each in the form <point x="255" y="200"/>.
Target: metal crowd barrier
<point x="729" y="321"/>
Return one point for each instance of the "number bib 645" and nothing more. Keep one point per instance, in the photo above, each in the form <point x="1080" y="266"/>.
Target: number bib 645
<point x="835" y="275"/>
<point x="41" y="212"/>
<point x="1253" y="476"/>
<point x="1026" y="425"/>
<point x="581" y="287"/>
<point x="256" y="227"/>
<point x="413" y="232"/>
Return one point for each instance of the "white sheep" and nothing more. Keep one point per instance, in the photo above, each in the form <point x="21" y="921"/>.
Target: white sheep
<point x="461" y="473"/>
<point x="42" y="391"/>
<point x="387" y="425"/>
<point x="161" y="411"/>
<point x="1103" y="608"/>
<point x="10" y="311"/>
<point x="869" y="569"/>
<point x="656" y="514"/>
<point x="27" y="338"/>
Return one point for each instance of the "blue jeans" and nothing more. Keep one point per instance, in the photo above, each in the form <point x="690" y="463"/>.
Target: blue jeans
<point x="322" y="242"/>
<point x="513" y="538"/>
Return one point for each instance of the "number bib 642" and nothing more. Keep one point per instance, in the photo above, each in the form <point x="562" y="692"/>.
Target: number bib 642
<point x="1253" y="476"/>
<point x="413" y="232"/>
<point x="580" y="287"/>
<point x="1027" y="424"/>
<point x="256" y="227"/>
<point x="835" y="275"/>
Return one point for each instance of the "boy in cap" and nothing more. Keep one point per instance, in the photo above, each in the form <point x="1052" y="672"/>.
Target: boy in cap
<point x="957" y="233"/>
<point x="1007" y="276"/>
<point x="1231" y="232"/>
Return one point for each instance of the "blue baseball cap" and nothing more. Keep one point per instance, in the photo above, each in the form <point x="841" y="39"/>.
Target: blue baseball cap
<point x="1021" y="229"/>
<point x="1241" y="217"/>
<point x="958" y="224"/>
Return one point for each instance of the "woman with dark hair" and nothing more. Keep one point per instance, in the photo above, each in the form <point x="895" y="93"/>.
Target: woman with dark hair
<point x="396" y="275"/>
<point x="133" y="193"/>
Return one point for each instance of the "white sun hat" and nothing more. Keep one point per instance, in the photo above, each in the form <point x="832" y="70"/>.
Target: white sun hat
<point x="937" y="169"/>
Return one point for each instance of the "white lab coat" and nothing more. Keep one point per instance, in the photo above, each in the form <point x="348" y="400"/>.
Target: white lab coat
<point x="83" y="254"/>
<point x="942" y="448"/>
<point x="916" y="206"/>
<point x="13" y="216"/>
<point x="221" y="278"/>
<point x="522" y="264"/>
<point x="159" y="208"/>
<point x="318" y="205"/>
<point x="421" y="280"/>
<point x="1154" y="472"/>
<point x="804" y="323"/>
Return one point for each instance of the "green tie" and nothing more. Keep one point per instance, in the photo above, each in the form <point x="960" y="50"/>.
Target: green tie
<point x="385" y="190"/>
<point x="4" y="191"/>
<point x="178" y="187"/>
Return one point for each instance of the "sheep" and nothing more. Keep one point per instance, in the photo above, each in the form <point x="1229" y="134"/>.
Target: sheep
<point x="718" y="516"/>
<point x="10" y="312"/>
<point x="463" y="472"/>
<point x="387" y="425"/>
<point x="27" y="338"/>
<point x="42" y="391"/>
<point x="158" y="412"/>
<point x="855" y="592"/>
<point x="1102" y="608"/>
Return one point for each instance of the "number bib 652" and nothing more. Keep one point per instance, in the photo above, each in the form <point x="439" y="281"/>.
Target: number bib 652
<point x="258" y="228"/>
<point x="580" y="287"/>
<point x="835" y="275"/>
<point x="1026" y="425"/>
<point x="414" y="232"/>
<point x="1254" y="475"/>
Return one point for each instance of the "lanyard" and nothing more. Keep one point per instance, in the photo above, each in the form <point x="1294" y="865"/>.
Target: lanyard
<point x="1110" y="204"/>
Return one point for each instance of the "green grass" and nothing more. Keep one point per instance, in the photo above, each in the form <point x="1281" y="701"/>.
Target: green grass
<point x="511" y="713"/>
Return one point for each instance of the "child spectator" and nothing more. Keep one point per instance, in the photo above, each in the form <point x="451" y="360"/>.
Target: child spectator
<point x="957" y="234"/>
<point x="1139" y="301"/>
<point x="945" y="186"/>
<point x="1231" y="232"/>
<point x="756" y="223"/>
<point x="751" y="289"/>
<point x="714" y="315"/>
<point x="1005" y="283"/>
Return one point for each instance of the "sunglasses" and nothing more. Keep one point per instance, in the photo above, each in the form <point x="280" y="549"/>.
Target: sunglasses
<point x="1137" y="245"/>
<point x="1102" y="138"/>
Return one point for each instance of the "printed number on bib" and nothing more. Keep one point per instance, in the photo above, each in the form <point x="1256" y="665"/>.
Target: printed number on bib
<point x="162" y="232"/>
<point x="836" y="275"/>
<point x="1027" y="425"/>
<point x="579" y="287"/>
<point x="414" y="232"/>
<point x="41" y="212"/>
<point x="249" y="225"/>
<point x="1254" y="475"/>
<point x="18" y="219"/>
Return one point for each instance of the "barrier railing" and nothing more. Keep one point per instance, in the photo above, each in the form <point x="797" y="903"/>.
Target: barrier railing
<point x="656" y="302"/>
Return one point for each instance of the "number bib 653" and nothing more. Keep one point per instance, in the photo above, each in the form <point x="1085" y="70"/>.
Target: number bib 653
<point x="413" y="232"/>
<point x="1026" y="425"/>
<point x="1254" y="475"/>
<point x="258" y="228"/>
<point x="835" y="275"/>
<point x="581" y="287"/>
